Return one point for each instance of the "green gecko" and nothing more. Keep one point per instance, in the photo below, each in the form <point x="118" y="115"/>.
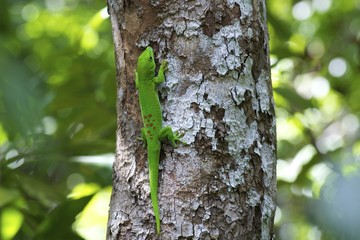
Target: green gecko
<point x="153" y="133"/>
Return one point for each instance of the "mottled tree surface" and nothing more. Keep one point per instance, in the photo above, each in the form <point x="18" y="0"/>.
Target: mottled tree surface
<point x="222" y="184"/>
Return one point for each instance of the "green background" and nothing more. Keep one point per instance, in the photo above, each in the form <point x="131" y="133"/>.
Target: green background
<point x="58" y="118"/>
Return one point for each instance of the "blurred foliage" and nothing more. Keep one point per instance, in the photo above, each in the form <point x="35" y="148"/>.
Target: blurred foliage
<point x="315" y="53"/>
<point x="57" y="118"/>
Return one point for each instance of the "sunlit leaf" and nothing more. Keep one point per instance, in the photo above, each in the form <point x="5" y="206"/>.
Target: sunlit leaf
<point x="10" y="222"/>
<point x="84" y="189"/>
<point x="90" y="223"/>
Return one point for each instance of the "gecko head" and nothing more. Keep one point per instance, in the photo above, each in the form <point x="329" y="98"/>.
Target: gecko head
<point x="146" y="62"/>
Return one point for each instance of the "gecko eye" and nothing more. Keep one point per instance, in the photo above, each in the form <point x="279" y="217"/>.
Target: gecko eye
<point x="151" y="58"/>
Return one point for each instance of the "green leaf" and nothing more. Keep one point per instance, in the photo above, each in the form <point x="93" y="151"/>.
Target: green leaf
<point x="8" y="196"/>
<point x="58" y="223"/>
<point x="296" y="102"/>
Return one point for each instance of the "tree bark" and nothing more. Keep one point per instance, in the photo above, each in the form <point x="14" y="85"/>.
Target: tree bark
<point x="222" y="184"/>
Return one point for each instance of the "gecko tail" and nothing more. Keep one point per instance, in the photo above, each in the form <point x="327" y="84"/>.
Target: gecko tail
<point x="155" y="205"/>
<point x="154" y="173"/>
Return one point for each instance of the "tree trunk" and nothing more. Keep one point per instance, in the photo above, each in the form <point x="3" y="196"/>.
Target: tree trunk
<point x="222" y="184"/>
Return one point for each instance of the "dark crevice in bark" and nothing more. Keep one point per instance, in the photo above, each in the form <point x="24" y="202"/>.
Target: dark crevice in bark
<point x="247" y="106"/>
<point x="202" y="143"/>
<point x="219" y="16"/>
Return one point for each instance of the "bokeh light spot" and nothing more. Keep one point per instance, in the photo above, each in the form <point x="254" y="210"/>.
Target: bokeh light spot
<point x="73" y="180"/>
<point x="316" y="49"/>
<point x="321" y="5"/>
<point x="337" y="67"/>
<point x="320" y="87"/>
<point x="302" y="11"/>
<point x="30" y="12"/>
<point x="55" y="5"/>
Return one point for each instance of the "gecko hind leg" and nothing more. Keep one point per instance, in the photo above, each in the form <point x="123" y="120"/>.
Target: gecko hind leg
<point x="173" y="137"/>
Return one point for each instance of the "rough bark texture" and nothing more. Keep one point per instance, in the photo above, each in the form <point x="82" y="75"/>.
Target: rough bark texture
<point x="218" y="91"/>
